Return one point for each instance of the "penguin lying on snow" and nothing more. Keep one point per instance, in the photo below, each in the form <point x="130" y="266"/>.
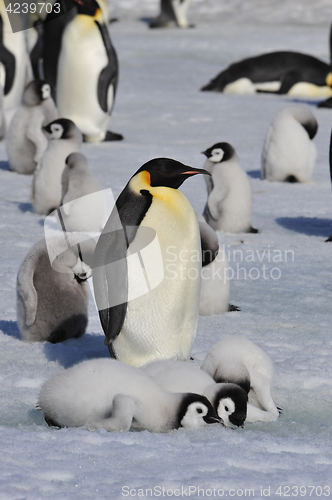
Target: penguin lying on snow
<point x="229" y="204"/>
<point x="82" y="204"/>
<point x="52" y="299"/>
<point x="107" y="394"/>
<point x="289" y="153"/>
<point x="87" y="73"/>
<point x="229" y="400"/>
<point x="173" y="13"/>
<point x="65" y="138"/>
<point x="238" y="360"/>
<point x="290" y="73"/>
<point x="153" y="221"/>
<point x="214" y="294"/>
<point x="26" y="139"/>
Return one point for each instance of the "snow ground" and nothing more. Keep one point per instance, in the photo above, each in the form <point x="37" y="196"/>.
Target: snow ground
<point x="161" y="112"/>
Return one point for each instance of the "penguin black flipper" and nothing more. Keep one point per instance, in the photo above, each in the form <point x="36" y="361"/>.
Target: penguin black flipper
<point x="9" y="62"/>
<point x="112" y="281"/>
<point x="36" y="54"/>
<point x="109" y="75"/>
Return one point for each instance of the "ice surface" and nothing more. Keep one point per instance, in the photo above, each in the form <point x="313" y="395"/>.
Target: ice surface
<point x="161" y="112"/>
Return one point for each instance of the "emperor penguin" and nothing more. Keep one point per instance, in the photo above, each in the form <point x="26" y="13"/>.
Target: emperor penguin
<point x="238" y="360"/>
<point x="289" y="153"/>
<point x="286" y="72"/>
<point x="52" y="297"/>
<point x="87" y="74"/>
<point x="26" y="139"/>
<point x="150" y="312"/>
<point x="17" y="61"/>
<point x="229" y="400"/>
<point x="107" y="394"/>
<point x="82" y="204"/>
<point x="65" y="138"/>
<point x="229" y="203"/>
<point x="173" y="13"/>
<point x="215" y="285"/>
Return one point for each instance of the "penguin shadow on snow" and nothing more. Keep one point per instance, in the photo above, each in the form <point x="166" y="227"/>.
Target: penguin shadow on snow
<point x="10" y="328"/>
<point x="73" y="351"/>
<point x="255" y="174"/>
<point x="311" y="226"/>
<point x="4" y="165"/>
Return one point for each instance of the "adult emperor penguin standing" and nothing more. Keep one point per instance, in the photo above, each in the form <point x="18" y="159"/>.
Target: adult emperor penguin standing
<point x="229" y="204"/>
<point x="173" y="13"/>
<point x="88" y="73"/>
<point x="152" y="318"/>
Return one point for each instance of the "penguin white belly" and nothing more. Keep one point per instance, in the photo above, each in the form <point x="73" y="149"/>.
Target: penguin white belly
<point x="305" y="89"/>
<point x="288" y="151"/>
<point x="268" y="86"/>
<point x="82" y="58"/>
<point x="236" y="207"/>
<point x="47" y="189"/>
<point x="162" y="323"/>
<point x="240" y="86"/>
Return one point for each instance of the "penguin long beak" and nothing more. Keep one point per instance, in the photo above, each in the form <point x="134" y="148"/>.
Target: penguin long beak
<point x="194" y="172"/>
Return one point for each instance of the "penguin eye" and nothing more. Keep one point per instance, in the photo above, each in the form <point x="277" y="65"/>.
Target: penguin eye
<point x="199" y="410"/>
<point x="226" y="408"/>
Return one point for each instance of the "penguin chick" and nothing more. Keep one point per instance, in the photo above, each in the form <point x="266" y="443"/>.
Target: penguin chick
<point x="289" y="153"/>
<point x="215" y="287"/>
<point x="229" y="400"/>
<point x="229" y="204"/>
<point x="238" y="360"/>
<point x="150" y="315"/>
<point x="65" y="138"/>
<point x="173" y="13"/>
<point x="82" y="204"/>
<point x="26" y="139"/>
<point x="107" y="394"/>
<point x="52" y="299"/>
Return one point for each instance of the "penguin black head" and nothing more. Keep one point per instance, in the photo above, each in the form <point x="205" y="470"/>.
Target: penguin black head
<point x="62" y="128"/>
<point x="87" y="7"/>
<point x="195" y="410"/>
<point x="222" y="151"/>
<point x="231" y="404"/>
<point x="169" y="173"/>
<point x="36" y="92"/>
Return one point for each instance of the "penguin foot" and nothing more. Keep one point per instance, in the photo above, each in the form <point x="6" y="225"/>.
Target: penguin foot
<point x="329" y="238"/>
<point x="112" y="136"/>
<point x="253" y="230"/>
<point x="232" y="308"/>
<point x="291" y="178"/>
<point x="280" y="410"/>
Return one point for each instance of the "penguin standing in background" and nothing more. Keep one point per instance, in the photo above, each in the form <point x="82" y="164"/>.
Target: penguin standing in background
<point x="289" y="154"/>
<point x="215" y="287"/>
<point x="238" y="360"/>
<point x="65" y="138"/>
<point x="229" y="400"/>
<point x="173" y="13"/>
<point x="52" y="299"/>
<point x="229" y="205"/>
<point x="88" y="73"/>
<point x="290" y="73"/>
<point x="18" y="66"/>
<point x="7" y="60"/>
<point x="329" y="239"/>
<point x="150" y="312"/>
<point x="107" y="394"/>
<point x="26" y="139"/>
<point x="82" y="204"/>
